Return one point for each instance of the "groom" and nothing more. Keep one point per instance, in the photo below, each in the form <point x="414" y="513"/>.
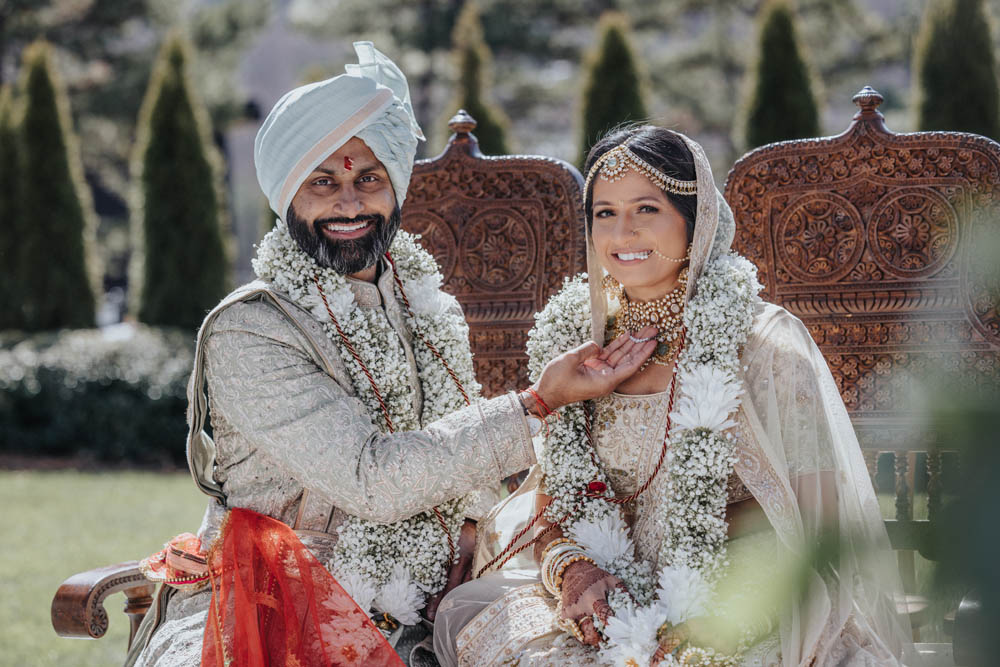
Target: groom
<point x="325" y="410"/>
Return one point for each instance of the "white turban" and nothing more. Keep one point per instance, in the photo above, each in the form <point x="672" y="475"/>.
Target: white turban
<point x="308" y="124"/>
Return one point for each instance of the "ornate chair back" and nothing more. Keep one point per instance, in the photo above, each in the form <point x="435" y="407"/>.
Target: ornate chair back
<point x="506" y="231"/>
<point x="873" y="239"/>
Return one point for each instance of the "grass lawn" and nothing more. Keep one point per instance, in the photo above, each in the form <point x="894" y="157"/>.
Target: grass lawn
<point x="55" y="524"/>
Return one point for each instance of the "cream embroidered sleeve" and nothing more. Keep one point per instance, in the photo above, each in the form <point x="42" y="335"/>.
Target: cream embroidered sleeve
<point x="306" y="424"/>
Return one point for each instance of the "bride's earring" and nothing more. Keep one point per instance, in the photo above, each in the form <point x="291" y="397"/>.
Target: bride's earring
<point x="611" y="287"/>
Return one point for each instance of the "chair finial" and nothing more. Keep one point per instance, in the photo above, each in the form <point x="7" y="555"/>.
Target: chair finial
<point x="462" y="122"/>
<point x="868" y="99"/>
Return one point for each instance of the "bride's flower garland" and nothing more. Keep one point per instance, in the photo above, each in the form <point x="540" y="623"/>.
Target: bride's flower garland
<point x="388" y="568"/>
<point x="700" y="459"/>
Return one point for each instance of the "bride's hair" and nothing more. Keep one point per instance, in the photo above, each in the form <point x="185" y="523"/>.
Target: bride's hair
<point x="661" y="148"/>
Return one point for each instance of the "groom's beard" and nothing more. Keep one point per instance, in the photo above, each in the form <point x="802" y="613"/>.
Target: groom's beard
<point x="348" y="256"/>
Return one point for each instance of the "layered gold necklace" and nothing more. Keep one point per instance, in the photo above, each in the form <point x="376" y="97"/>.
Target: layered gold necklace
<point x="665" y="313"/>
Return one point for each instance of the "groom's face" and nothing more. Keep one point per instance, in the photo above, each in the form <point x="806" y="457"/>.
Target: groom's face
<point x="344" y="215"/>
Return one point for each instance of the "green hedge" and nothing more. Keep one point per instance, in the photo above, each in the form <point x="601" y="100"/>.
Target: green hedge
<point x="117" y="395"/>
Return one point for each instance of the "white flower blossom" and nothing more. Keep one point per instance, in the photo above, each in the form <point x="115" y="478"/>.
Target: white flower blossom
<point x="683" y="593"/>
<point x="359" y="587"/>
<point x="709" y="395"/>
<point x="425" y="295"/>
<point x="605" y="540"/>
<point x="400" y="597"/>
<point x="631" y="635"/>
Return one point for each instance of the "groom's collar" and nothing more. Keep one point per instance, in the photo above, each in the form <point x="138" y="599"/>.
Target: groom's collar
<point x="372" y="294"/>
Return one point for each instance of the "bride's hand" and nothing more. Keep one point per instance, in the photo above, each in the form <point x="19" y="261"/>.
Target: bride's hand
<point x="585" y="591"/>
<point x="589" y="371"/>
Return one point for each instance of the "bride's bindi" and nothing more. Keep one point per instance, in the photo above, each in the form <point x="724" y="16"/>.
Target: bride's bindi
<point x="348" y="163"/>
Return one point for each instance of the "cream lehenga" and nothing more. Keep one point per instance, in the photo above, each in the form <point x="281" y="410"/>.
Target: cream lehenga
<point x="795" y="452"/>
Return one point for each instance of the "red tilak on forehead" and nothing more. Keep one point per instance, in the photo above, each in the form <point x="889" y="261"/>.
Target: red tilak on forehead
<point x="348" y="163"/>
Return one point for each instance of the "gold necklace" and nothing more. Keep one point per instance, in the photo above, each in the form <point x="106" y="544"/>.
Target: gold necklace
<point x="665" y="313"/>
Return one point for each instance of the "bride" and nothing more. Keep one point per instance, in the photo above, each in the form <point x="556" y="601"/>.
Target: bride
<point x="715" y="509"/>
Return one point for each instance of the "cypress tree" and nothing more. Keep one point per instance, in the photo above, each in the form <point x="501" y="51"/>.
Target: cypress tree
<point x="782" y="105"/>
<point x="179" y="268"/>
<point x="612" y="92"/>
<point x="11" y="314"/>
<point x="56" y="224"/>
<point x="473" y="58"/>
<point x="956" y="76"/>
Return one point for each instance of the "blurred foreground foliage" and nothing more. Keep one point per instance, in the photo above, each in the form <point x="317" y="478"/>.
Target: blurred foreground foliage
<point x="113" y="395"/>
<point x="966" y="540"/>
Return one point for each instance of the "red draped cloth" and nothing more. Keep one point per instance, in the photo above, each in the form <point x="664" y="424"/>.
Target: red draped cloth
<point x="273" y="603"/>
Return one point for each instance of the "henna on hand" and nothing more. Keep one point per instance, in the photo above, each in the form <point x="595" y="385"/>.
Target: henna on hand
<point x="584" y="593"/>
<point x="590" y="635"/>
<point x="603" y="610"/>
<point x="577" y="581"/>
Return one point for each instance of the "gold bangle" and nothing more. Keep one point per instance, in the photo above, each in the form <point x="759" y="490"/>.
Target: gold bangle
<point x="553" y="556"/>
<point x="557" y="541"/>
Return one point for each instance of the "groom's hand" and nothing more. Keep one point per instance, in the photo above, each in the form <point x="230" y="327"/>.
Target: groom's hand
<point x="585" y="593"/>
<point x="589" y="371"/>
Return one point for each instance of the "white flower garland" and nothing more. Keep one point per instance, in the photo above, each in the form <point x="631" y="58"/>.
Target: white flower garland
<point x="700" y="458"/>
<point x="388" y="568"/>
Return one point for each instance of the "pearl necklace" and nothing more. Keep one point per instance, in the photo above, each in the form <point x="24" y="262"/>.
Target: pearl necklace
<point x="665" y="313"/>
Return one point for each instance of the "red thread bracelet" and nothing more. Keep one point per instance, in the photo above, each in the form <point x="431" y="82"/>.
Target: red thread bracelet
<point x="540" y="402"/>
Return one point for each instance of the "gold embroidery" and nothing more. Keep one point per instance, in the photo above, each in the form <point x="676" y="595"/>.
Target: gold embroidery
<point x="498" y="632"/>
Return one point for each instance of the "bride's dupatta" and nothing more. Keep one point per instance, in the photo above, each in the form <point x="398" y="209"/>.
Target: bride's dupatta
<point x="273" y="603"/>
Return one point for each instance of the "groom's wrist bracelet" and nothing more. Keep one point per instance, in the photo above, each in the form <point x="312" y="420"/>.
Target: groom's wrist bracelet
<point x="534" y="422"/>
<point x="539" y="403"/>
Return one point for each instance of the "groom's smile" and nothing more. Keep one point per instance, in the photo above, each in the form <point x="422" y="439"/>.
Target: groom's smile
<point x="343" y="229"/>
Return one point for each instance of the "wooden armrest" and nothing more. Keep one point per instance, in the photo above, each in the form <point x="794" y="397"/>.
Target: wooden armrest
<point x="78" y="605"/>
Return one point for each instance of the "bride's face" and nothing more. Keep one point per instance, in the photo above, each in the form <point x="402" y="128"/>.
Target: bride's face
<point x="634" y="226"/>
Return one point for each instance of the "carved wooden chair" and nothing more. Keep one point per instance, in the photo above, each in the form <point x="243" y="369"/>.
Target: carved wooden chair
<point x="859" y="236"/>
<point x="506" y="230"/>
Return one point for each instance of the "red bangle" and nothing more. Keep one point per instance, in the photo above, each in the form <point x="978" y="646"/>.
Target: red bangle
<point x="540" y="402"/>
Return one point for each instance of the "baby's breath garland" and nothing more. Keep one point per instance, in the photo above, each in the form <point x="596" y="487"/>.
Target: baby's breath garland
<point x="388" y="568"/>
<point x="700" y="458"/>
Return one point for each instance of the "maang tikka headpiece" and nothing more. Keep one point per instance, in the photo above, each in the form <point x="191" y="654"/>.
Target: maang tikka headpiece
<point x="613" y="165"/>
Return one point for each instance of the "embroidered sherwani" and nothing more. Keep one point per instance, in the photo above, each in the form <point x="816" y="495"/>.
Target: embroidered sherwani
<point x="292" y="441"/>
